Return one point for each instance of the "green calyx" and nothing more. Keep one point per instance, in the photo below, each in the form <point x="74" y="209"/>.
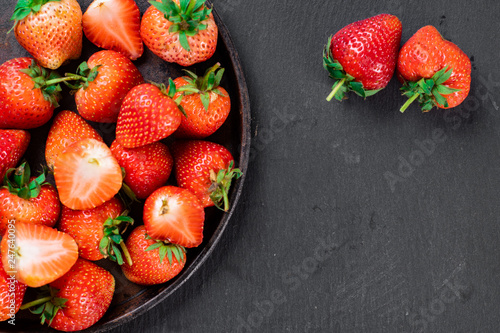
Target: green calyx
<point x="45" y="80"/>
<point x="47" y="305"/>
<point x="343" y="81"/>
<point x="112" y="245"/>
<point x="187" y="17"/>
<point x="167" y="91"/>
<point x="221" y="183"/>
<point x="25" y="7"/>
<point x="17" y="181"/>
<point x="428" y="92"/>
<point x="169" y="250"/>
<point x="202" y="85"/>
<point x="84" y="75"/>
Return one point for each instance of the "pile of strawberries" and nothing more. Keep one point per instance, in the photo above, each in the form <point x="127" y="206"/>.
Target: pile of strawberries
<point x="52" y="234"/>
<point x="363" y="56"/>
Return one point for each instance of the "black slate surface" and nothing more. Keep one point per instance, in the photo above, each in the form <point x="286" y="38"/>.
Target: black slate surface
<point x="320" y="241"/>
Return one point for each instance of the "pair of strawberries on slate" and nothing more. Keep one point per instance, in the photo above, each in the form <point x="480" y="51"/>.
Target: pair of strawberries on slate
<point x="362" y="57"/>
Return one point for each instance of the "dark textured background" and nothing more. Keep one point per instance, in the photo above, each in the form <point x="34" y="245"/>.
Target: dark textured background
<point x="320" y="242"/>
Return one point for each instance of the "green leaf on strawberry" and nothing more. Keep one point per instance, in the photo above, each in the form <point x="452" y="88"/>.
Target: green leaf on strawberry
<point x="168" y="249"/>
<point x="47" y="305"/>
<point x="20" y="184"/>
<point x="112" y="244"/>
<point x="221" y="182"/>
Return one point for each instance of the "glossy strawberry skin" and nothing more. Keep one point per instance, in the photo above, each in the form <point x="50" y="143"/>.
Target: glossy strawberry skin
<point x="102" y="99"/>
<point x="147" y="115"/>
<point x="54" y="34"/>
<point x="199" y="122"/>
<point x="147" y="168"/>
<point x="13" y="145"/>
<point x="426" y="52"/>
<point x="86" y="226"/>
<point x="89" y="290"/>
<point x="147" y="268"/>
<point x="11" y="290"/>
<point x="193" y="160"/>
<point x="368" y="49"/>
<point x="43" y="209"/>
<point x="156" y="36"/>
<point x="67" y="128"/>
<point x="21" y="105"/>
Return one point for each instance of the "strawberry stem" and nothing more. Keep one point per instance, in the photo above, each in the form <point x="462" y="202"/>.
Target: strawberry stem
<point x="408" y="102"/>
<point x="35" y="303"/>
<point x="126" y="254"/>
<point x="335" y="89"/>
<point x="63" y="79"/>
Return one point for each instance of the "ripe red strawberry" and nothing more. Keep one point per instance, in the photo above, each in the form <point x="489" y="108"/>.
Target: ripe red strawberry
<point x="77" y="300"/>
<point x="206" y="169"/>
<point x="148" y="114"/>
<point x="362" y="56"/>
<point x="37" y="254"/>
<point x="108" y="77"/>
<point x="206" y="105"/>
<point x="434" y="71"/>
<point x="35" y="94"/>
<point x="28" y="199"/>
<point x="50" y="30"/>
<point x="86" y="226"/>
<point x="182" y="31"/>
<point x="13" y="145"/>
<point x="87" y="175"/>
<point x="147" y="168"/>
<point x="176" y="215"/>
<point x="11" y="295"/>
<point x="67" y="128"/>
<point x="154" y="262"/>
<point x="114" y="25"/>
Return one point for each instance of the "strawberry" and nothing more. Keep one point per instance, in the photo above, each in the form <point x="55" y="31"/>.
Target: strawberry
<point x="206" y="105"/>
<point x="50" y="30"/>
<point x="13" y="145"/>
<point x="433" y="70"/>
<point x="67" y="128"/>
<point x="149" y="263"/>
<point x="107" y="77"/>
<point x="11" y="295"/>
<point x="176" y="215"/>
<point x="114" y="25"/>
<point x="28" y="199"/>
<point x="180" y="31"/>
<point x="77" y="300"/>
<point x="147" y="168"/>
<point x="28" y="94"/>
<point x="86" y="226"/>
<point x="206" y="169"/>
<point x="148" y="114"/>
<point x="87" y="175"/>
<point x="362" y="56"/>
<point x="37" y="254"/>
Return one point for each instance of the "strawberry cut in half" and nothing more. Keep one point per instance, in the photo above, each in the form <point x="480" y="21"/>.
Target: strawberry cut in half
<point x="114" y="25"/>
<point x="176" y="215"/>
<point x="37" y="254"/>
<point x="87" y="175"/>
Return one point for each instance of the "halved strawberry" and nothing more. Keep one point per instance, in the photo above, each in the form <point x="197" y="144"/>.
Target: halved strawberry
<point x="37" y="254"/>
<point x="114" y="25"/>
<point x="87" y="175"/>
<point x="174" y="214"/>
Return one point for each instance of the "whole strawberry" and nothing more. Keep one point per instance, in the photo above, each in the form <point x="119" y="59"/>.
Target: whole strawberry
<point x="67" y="128"/>
<point x="361" y="57"/>
<point x="147" y="168"/>
<point x="28" y="94"/>
<point x="148" y="114"/>
<point x="434" y="71"/>
<point x="206" y="169"/>
<point x="180" y="31"/>
<point x="206" y="105"/>
<point x="107" y="77"/>
<point x="50" y="30"/>
<point x="154" y="262"/>
<point x="28" y="199"/>
<point x="77" y="300"/>
<point x="11" y="295"/>
<point x="13" y="145"/>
